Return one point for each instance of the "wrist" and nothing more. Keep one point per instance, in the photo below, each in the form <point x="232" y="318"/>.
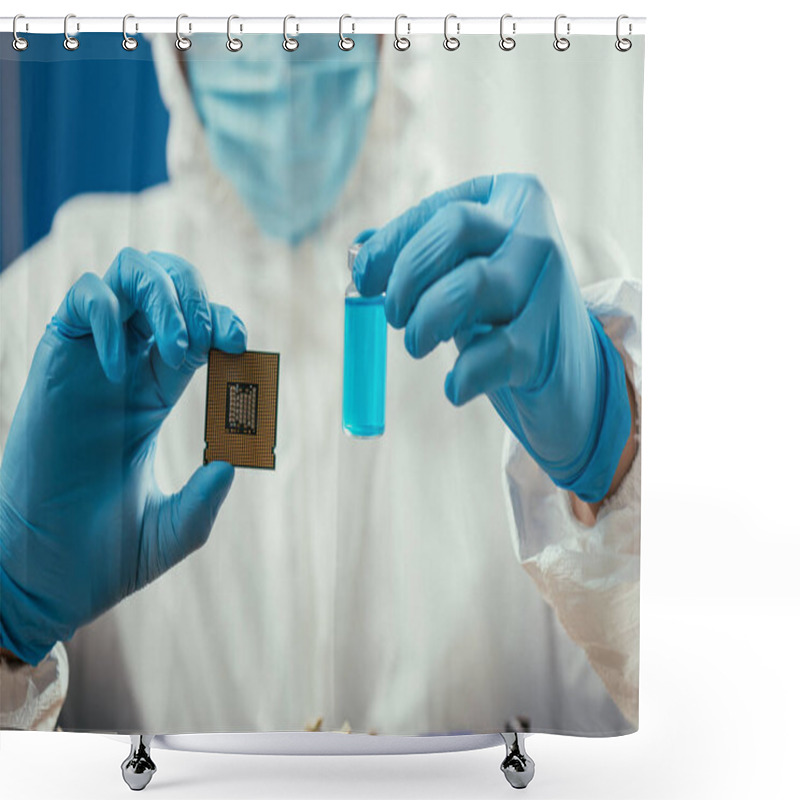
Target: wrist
<point x="10" y="657"/>
<point x="593" y="473"/>
<point x="23" y="628"/>
<point x="587" y="512"/>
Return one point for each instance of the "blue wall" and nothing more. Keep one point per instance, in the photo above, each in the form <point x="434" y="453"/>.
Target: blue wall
<point x="90" y="120"/>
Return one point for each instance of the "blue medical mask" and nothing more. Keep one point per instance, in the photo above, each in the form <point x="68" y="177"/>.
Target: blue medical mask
<point x="285" y="128"/>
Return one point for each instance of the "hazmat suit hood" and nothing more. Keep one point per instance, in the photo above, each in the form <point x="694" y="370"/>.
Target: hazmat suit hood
<point x="191" y="165"/>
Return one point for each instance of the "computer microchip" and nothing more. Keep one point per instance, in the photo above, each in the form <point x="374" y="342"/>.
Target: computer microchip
<point x="242" y="408"/>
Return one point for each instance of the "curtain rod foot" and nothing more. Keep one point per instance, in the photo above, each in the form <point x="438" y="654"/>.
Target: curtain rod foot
<point x="138" y="768"/>
<point x="517" y="766"/>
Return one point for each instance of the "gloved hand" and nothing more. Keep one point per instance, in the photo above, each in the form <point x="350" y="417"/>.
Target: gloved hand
<point x="483" y="263"/>
<point x="82" y="521"/>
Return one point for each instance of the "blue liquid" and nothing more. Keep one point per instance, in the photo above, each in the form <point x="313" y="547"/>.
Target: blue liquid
<point x="364" y="390"/>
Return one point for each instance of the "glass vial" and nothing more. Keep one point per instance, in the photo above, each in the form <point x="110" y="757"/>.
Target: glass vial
<point x="364" y="386"/>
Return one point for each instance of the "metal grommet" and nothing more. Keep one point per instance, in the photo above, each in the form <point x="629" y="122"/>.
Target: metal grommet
<point x="507" y="42"/>
<point x="18" y="42"/>
<point x="70" y="42"/>
<point x="345" y="42"/>
<point x="451" y="42"/>
<point x="290" y="44"/>
<point x="401" y="42"/>
<point x="181" y="41"/>
<point x="561" y="43"/>
<point x="623" y="44"/>
<point x="233" y="44"/>
<point x="128" y="42"/>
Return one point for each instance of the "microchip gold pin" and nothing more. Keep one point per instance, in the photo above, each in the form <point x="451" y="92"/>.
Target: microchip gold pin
<point x="242" y="408"/>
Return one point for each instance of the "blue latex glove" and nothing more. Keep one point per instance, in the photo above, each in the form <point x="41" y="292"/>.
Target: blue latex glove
<point x="82" y="521"/>
<point x="483" y="263"/>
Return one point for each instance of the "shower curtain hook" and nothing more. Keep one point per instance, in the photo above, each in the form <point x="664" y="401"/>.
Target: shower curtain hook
<point x="18" y="42"/>
<point x="623" y="44"/>
<point x="290" y="44"/>
<point x="561" y="43"/>
<point x="451" y="42"/>
<point x="401" y="42"/>
<point x="128" y="42"/>
<point x="507" y="42"/>
<point x="233" y="44"/>
<point x="345" y="42"/>
<point x="70" y="42"/>
<point x="181" y="41"/>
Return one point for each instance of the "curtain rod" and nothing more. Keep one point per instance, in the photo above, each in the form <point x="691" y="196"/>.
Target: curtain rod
<point x="460" y="26"/>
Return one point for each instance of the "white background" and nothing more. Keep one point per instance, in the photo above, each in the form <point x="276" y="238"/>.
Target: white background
<point x="721" y="538"/>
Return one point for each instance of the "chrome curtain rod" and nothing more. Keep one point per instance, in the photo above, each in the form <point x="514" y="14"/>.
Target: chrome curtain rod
<point x="459" y="26"/>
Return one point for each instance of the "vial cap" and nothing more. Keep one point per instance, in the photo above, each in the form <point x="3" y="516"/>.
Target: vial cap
<point x="352" y="252"/>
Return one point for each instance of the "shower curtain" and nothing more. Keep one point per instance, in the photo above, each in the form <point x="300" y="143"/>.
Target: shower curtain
<point x="476" y="567"/>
